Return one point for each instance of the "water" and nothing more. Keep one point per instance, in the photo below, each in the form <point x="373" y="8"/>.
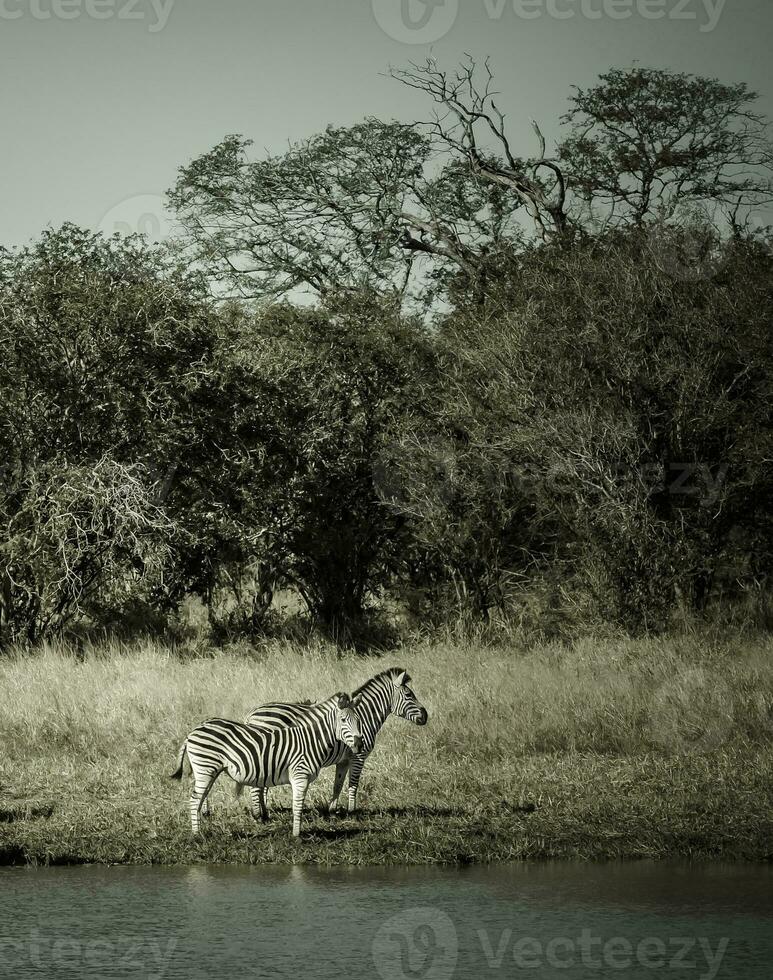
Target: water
<point x="568" y="921"/>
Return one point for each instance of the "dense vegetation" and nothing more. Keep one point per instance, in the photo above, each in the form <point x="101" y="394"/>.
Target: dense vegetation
<point x="406" y="375"/>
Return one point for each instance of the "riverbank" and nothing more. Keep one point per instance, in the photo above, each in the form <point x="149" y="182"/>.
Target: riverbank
<point x="616" y="749"/>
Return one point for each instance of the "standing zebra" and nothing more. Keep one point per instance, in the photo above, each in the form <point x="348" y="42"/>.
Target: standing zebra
<point x="386" y="693"/>
<point x="269" y="758"/>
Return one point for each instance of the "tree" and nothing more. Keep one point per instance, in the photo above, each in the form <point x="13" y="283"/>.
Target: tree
<point x="71" y="535"/>
<point x="319" y="217"/>
<point x="468" y="119"/>
<point x="101" y="339"/>
<point x="429" y="211"/>
<point x="105" y="342"/>
<point x="644" y="143"/>
<point x="352" y="208"/>
<point x="635" y="404"/>
<point x="322" y="392"/>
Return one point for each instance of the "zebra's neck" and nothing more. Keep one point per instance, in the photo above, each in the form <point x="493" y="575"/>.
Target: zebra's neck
<point x="373" y="705"/>
<point x="322" y="722"/>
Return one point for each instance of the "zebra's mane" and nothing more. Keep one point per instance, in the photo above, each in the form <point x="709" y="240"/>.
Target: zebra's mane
<point x="390" y="673"/>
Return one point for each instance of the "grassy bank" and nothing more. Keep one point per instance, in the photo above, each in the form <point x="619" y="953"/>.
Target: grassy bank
<point x="617" y="749"/>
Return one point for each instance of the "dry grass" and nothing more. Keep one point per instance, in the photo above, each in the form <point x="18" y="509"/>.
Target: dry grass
<point x="614" y="748"/>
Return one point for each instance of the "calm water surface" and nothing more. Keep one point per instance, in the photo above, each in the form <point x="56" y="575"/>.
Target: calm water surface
<point x="569" y="921"/>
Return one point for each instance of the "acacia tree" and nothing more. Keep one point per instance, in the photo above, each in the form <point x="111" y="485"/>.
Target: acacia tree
<point x="644" y="143"/>
<point x="318" y="217"/>
<point x="470" y="125"/>
<point x="352" y="208"/>
<point x="444" y="208"/>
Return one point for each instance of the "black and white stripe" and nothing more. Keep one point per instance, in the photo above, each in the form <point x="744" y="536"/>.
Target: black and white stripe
<point x="260" y="758"/>
<point x="386" y="693"/>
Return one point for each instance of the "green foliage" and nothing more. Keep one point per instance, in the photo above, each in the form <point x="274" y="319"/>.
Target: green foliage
<point x="319" y="217"/>
<point x="645" y="142"/>
<point x="99" y="338"/>
<point x="103" y="341"/>
<point x="635" y="396"/>
<point x="322" y="391"/>
<point x="583" y="430"/>
<point x="78" y="533"/>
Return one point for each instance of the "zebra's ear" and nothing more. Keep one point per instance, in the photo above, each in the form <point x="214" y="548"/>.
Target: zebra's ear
<point x="344" y="701"/>
<point x="402" y="678"/>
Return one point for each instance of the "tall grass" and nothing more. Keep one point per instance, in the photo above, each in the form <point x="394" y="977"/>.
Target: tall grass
<point x="625" y="696"/>
<point x="99" y="728"/>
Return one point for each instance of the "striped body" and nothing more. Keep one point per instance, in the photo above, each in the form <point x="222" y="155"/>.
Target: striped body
<point x="386" y="693"/>
<point x="256" y="758"/>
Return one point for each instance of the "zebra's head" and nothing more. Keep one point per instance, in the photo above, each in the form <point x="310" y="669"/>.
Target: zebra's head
<point x="348" y="724"/>
<point x="405" y="704"/>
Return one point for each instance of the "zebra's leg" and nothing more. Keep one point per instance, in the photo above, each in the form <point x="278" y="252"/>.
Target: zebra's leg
<point x="338" y="784"/>
<point x="300" y="785"/>
<point x="355" y="771"/>
<point x="202" y="784"/>
<point x="258" y="803"/>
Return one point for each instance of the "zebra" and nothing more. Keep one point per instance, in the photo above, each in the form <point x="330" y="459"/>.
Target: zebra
<point x="386" y="693"/>
<point x="268" y="758"/>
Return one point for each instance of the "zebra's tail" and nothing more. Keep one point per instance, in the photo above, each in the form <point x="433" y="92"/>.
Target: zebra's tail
<point x="239" y="790"/>
<point x="182" y="758"/>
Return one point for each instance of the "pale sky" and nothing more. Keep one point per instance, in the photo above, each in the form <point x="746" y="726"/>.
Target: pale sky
<point x="102" y="100"/>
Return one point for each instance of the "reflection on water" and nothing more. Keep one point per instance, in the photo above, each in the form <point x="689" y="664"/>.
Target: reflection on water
<point x="573" y="921"/>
